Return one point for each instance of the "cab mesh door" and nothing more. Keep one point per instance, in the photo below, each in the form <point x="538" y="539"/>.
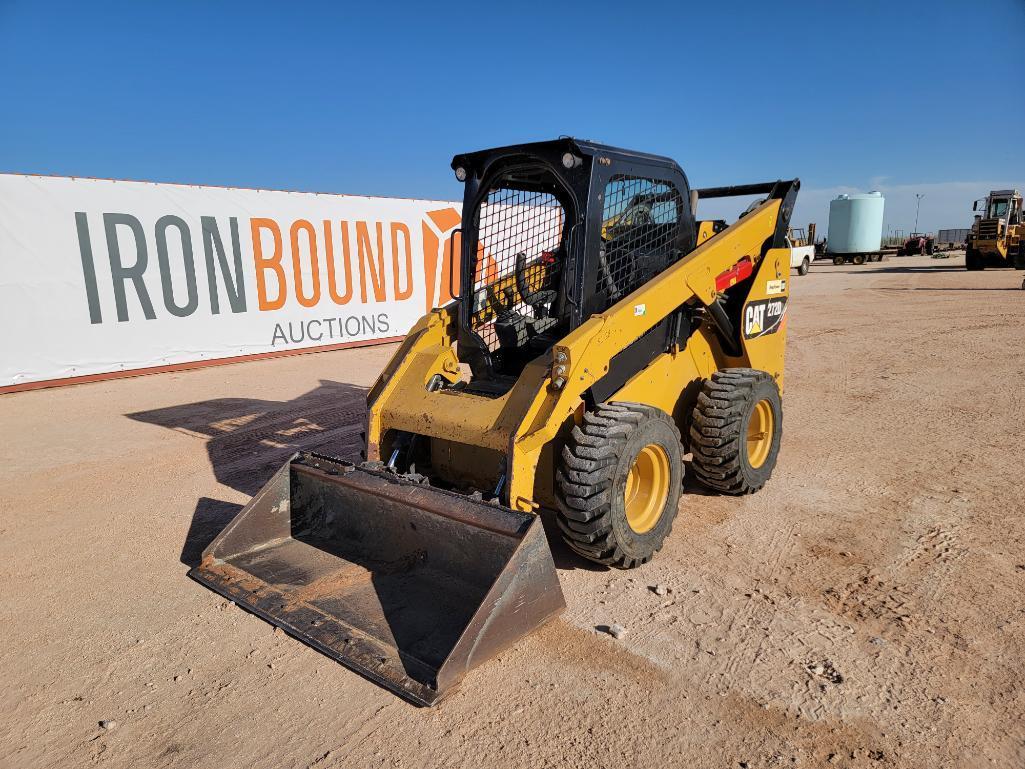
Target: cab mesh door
<point x="518" y="258"/>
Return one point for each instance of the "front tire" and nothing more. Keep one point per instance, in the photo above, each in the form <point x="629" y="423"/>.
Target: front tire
<point x="736" y="430"/>
<point x="619" y="483"/>
<point x="973" y="260"/>
<point x="838" y="260"/>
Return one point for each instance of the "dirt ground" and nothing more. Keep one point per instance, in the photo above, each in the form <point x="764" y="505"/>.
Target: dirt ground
<point x="865" y="609"/>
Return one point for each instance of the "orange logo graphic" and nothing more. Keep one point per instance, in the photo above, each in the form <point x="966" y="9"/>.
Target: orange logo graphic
<point x="290" y="261"/>
<point x="441" y="247"/>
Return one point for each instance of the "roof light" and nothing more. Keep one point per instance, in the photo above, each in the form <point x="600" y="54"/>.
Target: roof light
<point x="461" y="173"/>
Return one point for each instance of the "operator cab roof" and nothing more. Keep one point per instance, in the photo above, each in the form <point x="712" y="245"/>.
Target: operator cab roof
<point x="555" y="148"/>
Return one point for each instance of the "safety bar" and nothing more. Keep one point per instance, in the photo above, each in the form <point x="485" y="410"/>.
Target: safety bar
<point x="737" y="190"/>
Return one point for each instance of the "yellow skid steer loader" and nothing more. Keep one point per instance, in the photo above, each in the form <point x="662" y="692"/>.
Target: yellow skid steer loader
<point x="600" y="333"/>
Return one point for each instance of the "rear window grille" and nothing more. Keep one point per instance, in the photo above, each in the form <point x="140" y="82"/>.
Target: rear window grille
<point x="515" y="225"/>
<point x="639" y="234"/>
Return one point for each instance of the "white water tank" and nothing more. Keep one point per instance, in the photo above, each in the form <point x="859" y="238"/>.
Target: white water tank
<point x="855" y="223"/>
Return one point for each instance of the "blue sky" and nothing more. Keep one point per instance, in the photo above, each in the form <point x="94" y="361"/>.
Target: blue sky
<point x="375" y="98"/>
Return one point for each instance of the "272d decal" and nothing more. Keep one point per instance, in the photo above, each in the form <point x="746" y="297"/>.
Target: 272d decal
<point x="764" y="317"/>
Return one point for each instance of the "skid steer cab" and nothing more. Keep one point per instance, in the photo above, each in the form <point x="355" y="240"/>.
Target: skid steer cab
<point x="601" y="332"/>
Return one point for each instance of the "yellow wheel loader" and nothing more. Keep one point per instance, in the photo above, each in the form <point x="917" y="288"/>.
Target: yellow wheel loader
<point x="600" y="335"/>
<point x="997" y="236"/>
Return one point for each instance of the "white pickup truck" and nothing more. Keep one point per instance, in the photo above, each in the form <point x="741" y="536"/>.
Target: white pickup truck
<point x="801" y="257"/>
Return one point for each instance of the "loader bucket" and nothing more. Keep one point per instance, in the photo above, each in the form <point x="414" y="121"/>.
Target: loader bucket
<point x="406" y="584"/>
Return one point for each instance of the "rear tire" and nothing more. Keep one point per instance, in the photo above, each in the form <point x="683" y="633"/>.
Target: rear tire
<point x="838" y="260"/>
<point x="858" y="259"/>
<point x="805" y="265"/>
<point x="1019" y="257"/>
<point x="619" y="484"/>
<point x="736" y="430"/>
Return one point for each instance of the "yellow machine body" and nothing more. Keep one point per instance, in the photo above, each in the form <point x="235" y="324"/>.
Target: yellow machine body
<point x="518" y="433"/>
<point x="997" y="235"/>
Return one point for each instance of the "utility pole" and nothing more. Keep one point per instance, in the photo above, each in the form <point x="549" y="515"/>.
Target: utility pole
<point x="918" y="205"/>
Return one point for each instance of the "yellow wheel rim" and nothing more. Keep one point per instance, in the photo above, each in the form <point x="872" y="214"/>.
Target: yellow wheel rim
<point x="760" y="428"/>
<point x="647" y="488"/>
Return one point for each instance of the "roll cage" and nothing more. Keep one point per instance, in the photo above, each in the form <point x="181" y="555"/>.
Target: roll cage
<point x="552" y="233"/>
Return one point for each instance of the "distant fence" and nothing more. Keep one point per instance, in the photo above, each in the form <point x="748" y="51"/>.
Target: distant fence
<point x="107" y="277"/>
<point x="894" y="238"/>
<point x="952" y="237"/>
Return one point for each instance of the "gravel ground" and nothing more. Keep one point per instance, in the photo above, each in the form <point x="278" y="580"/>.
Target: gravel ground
<point x="864" y="610"/>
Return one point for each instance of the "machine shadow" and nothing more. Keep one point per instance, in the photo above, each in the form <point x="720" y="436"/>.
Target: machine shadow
<point x="208" y="520"/>
<point x="248" y="440"/>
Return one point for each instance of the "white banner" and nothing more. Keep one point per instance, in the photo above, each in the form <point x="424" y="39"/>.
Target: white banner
<point x="102" y="276"/>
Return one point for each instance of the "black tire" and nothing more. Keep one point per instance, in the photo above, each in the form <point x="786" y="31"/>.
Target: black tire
<point x="858" y="258"/>
<point x="719" y="434"/>
<point x="1019" y="257"/>
<point x="592" y="477"/>
<point x="973" y="260"/>
<point x="804" y="266"/>
<point x="838" y="260"/>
